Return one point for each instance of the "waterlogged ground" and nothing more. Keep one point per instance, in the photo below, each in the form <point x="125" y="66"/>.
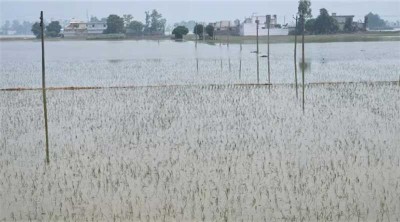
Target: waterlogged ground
<point x="122" y="63"/>
<point x="203" y="154"/>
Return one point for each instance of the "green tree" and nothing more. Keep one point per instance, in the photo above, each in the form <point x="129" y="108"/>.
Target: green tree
<point x="37" y="30"/>
<point x="348" y="26"/>
<point x="115" y="24"/>
<point x="180" y="31"/>
<point x="53" y="29"/>
<point x="198" y="30"/>
<point x="94" y="19"/>
<point x="127" y="19"/>
<point x="6" y="27"/>
<point x="310" y="26"/>
<point x="147" y="22"/>
<point x="374" y="21"/>
<point x="135" y="28"/>
<point x="325" y="24"/>
<point x="154" y="23"/>
<point x="304" y="12"/>
<point x="210" y="30"/>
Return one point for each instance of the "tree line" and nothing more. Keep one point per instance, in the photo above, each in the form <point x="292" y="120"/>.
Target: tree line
<point x="23" y="28"/>
<point x="198" y="30"/>
<point x="154" y="24"/>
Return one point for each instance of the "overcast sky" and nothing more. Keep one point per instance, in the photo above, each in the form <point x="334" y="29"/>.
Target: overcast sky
<point x="175" y="11"/>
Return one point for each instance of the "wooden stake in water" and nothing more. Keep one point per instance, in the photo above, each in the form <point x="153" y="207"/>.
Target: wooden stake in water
<point x="240" y="68"/>
<point x="302" y="59"/>
<point x="44" y="91"/>
<point x="240" y="62"/>
<point x="295" y="60"/>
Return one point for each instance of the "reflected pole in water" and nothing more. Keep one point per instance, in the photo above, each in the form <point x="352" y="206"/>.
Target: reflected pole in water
<point x="295" y="60"/>
<point x="44" y="90"/>
<point x="258" y="67"/>
<point x="197" y="65"/>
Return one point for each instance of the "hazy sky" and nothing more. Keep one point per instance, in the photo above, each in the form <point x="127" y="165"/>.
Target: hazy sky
<point x="175" y="11"/>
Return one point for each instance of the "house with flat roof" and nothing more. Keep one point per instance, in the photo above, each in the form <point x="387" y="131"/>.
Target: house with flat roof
<point x="249" y="26"/>
<point x="75" y="28"/>
<point x="96" y="28"/>
<point x="341" y="20"/>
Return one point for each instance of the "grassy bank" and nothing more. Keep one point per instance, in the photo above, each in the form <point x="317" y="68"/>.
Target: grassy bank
<point x="359" y="37"/>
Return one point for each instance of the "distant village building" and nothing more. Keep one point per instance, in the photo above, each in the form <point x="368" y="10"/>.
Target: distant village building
<point x="341" y="20"/>
<point x="96" y="28"/>
<point x="249" y="26"/>
<point x="75" y="29"/>
<point x="226" y="27"/>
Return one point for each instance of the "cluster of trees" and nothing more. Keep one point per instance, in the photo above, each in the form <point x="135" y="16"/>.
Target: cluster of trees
<point x="374" y="21"/>
<point x="18" y="28"/>
<point x="154" y="24"/>
<point x="198" y="30"/>
<point x="51" y="30"/>
<point x="323" y="24"/>
<point x="326" y="24"/>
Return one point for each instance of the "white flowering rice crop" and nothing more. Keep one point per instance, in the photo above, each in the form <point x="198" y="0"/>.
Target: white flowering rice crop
<point x="193" y="153"/>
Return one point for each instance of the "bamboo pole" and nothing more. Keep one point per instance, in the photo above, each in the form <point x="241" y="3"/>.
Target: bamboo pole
<point x="44" y="91"/>
<point x="302" y="59"/>
<point x="295" y="60"/>
<point x="269" y="65"/>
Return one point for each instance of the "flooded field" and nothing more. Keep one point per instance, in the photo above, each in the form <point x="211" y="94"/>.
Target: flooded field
<point x="203" y="153"/>
<point x="190" y="151"/>
<point x="121" y="63"/>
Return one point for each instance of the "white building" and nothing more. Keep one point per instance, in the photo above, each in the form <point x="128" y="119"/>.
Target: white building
<point x="341" y="20"/>
<point x="75" y="29"/>
<point x="249" y="26"/>
<point x="95" y="28"/>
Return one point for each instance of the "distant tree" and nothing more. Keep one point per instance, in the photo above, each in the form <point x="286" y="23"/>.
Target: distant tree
<point x="37" y="30"/>
<point x="53" y="29"/>
<point x="6" y="27"/>
<point x="325" y="24"/>
<point x="115" y="24"/>
<point x="188" y="24"/>
<point x="304" y="12"/>
<point x="309" y="27"/>
<point x="127" y="19"/>
<point x="348" y="26"/>
<point x="374" y="21"/>
<point x="26" y="26"/>
<point x="135" y="27"/>
<point x="210" y="30"/>
<point x="180" y="31"/>
<point x="154" y="22"/>
<point x="147" y="22"/>
<point x="94" y="19"/>
<point x="198" y="30"/>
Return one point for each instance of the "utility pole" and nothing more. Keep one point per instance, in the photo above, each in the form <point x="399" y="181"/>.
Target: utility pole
<point x="302" y="58"/>
<point x="195" y="35"/>
<point x="295" y="60"/>
<point x="258" y="67"/>
<point x="268" y="21"/>
<point x="44" y="91"/>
